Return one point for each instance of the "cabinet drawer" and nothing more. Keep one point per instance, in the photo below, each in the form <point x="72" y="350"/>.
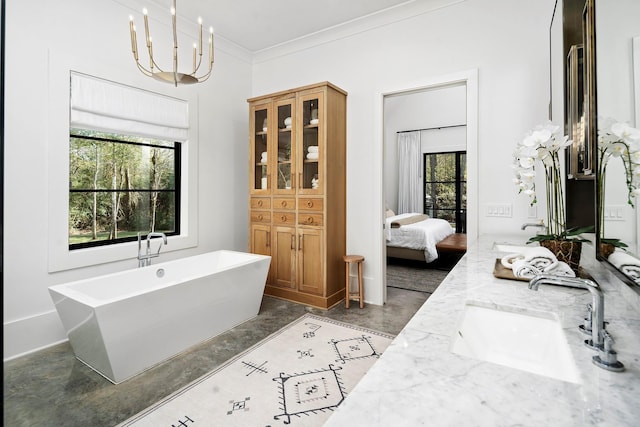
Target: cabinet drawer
<point x="282" y="203"/>
<point x="310" y="204"/>
<point x="284" y="218"/>
<point x="260" y="203"/>
<point x="305" y="218"/>
<point x="261" y="216"/>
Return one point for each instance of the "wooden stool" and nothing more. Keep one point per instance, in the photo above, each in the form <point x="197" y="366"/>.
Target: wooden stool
<point x="359" y="259"/>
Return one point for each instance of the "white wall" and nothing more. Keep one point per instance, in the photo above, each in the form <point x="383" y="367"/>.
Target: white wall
<point x="92" y="37"/>
<point x="507" y="41"/>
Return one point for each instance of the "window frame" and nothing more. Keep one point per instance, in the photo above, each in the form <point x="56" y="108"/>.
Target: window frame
<point x="177" y="160"/>
<point x="460" y="212"/>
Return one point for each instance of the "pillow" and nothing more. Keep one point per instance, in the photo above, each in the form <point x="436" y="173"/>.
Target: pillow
<point x="390" y="213"/>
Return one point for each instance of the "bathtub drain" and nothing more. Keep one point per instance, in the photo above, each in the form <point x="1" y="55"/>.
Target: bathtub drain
<point x="160" y="272"/>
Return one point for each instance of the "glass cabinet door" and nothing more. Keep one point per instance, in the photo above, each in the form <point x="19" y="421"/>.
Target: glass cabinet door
<point x="260" y="149"/>
<point x="310" y="175"/>
<point x="286" y="147"/>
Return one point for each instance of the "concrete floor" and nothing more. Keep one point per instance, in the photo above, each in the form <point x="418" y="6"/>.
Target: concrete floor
<point x="52" y="388"/>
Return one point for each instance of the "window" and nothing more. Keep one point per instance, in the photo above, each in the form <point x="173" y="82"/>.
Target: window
<point x="445" y="187"/>
<point x="120" y="185"/>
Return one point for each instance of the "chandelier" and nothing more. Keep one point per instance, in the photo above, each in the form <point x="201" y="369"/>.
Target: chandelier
<point x="174" y="76"/>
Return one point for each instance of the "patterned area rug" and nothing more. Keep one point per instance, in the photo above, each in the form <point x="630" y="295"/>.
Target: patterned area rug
<point x="296" y="376"/>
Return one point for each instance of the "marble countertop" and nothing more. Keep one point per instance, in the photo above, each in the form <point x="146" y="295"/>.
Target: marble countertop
<point x="419" y="381"/>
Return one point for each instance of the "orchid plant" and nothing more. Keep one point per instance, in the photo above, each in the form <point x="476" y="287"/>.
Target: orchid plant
<point x="544" y="144"/>
<point x="618" y="140"/>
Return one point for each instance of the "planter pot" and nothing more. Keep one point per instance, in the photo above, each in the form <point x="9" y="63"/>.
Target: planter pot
<point x="565" y="250"/>
<point x="606" y="249"/>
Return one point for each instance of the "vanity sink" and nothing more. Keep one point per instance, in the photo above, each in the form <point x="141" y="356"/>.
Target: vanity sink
<point x="532" y="342"/>
<point x="513" y="248"/>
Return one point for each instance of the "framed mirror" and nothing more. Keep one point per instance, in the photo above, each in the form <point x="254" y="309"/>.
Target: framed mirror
<point x="617" y="84"/>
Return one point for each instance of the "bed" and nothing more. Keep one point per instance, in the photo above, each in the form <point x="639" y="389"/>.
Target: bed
<point x="415" y="236"/>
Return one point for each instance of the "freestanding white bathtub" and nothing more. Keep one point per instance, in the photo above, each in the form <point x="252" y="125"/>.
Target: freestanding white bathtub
<point x="124" y="323"/>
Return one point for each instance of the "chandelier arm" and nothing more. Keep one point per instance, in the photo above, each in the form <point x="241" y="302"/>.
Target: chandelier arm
<point x="144" y="70"/>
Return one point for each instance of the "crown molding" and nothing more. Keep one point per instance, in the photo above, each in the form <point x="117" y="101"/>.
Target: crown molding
<point x="353" y="27"/>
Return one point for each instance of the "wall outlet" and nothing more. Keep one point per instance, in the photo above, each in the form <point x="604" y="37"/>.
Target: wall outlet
<point x="502" y="210"/>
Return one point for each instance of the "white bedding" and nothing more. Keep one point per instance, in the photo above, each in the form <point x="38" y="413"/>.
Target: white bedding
<point x="423" y="235"/>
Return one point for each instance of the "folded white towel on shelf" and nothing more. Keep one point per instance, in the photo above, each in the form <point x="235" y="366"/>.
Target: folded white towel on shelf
<point x="312" y="149"/>
<point x="312" y="156"/>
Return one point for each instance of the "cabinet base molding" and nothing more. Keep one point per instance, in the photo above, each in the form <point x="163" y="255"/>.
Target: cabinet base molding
<point x="316" y="301"/>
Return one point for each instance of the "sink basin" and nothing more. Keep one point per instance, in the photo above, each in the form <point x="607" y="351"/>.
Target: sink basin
<point x="532" y="342"/>
<point x="513" y="249"/>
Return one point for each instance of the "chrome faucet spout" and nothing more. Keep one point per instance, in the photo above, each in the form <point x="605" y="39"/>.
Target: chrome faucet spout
<point x="145" y="260"/>
<point x="597" y="328"/>
<point x="155" y="234"/>
<point x="535" y="224"/>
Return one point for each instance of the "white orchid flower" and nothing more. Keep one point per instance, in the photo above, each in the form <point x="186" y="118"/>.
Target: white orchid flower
<point x="617" y="149"/>
<point x="527" y="162"/>
<point x="625" y="133"/>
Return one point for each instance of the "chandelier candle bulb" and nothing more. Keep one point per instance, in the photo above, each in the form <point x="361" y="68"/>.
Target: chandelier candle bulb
<point x="200" y="33"/>
<point x="146" y="26"/>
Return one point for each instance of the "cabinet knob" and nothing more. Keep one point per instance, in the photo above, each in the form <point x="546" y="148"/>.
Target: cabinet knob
<point x="283" y="203"/>
<point x="260" y="203"/>
<point x="309" y="220"/>
<point x="309" y="204"/>
<point x="283" y="218"/>
<point x="260" y="217"/>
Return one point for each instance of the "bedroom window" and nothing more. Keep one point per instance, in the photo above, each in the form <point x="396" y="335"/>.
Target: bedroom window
<point x="445" y="187"/>
<point x="120" y="185"/>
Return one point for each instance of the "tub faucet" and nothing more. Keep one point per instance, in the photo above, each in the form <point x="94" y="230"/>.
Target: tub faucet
<point x="145" y="259"/>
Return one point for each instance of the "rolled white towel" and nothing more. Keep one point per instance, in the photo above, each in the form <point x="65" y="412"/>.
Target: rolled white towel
<point x="312" y="149"/>
<point x="312" y="156"/>
<point x="522" y="269"/>
<point x="561" y="269"/>
<point x="620" y="258"/>
<point x="508" y="260"/>
<point x="541" y="258"/>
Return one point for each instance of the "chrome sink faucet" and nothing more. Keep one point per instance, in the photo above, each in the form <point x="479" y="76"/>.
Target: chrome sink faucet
<point x="600" y="338"/>
<point x="597" y="313"/>
<point x="145" y="259"/>
<point x="540" y="224"/>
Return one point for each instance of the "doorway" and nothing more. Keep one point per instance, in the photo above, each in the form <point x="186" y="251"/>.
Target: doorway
<point x="466" y="82"/>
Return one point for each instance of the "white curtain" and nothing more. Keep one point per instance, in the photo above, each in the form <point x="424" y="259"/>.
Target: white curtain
<point x="106" y="106"/>
<point x="409" y="172"/>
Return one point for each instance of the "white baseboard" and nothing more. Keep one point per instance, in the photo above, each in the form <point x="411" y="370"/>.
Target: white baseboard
<point x="28" y="335"/>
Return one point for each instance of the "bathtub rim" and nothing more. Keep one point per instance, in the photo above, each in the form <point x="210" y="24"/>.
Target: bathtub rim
<point x="67" y="289"/>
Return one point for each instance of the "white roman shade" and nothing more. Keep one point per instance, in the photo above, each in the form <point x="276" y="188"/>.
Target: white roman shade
<point x="106" y="106"/>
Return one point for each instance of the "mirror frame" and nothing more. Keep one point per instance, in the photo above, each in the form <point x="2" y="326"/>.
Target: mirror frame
<point x="590" y="46"/>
